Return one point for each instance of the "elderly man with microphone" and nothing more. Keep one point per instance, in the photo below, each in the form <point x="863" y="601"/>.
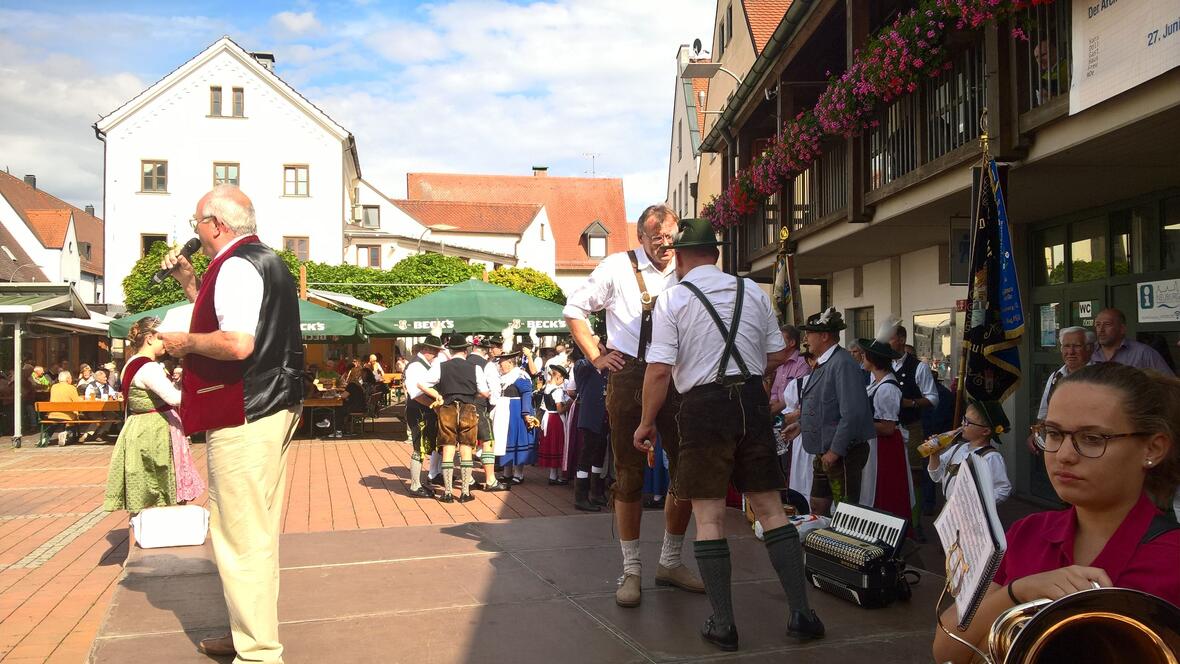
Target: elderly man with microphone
<point x="242" y="386"/>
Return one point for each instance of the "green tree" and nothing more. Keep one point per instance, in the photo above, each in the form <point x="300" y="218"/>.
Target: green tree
<point x="528" y="281"/>
<point x="428" y="269"/>
<point x="140" y="294"/>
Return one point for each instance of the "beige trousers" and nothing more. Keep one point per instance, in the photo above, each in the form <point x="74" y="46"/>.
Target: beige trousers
<point x="247" y="474"/>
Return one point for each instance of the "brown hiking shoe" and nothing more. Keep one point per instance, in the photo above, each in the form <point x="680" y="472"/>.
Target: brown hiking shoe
<point x="628" y="594"/>
<point x="217" y="646"/>
<point x="680" y="577"/>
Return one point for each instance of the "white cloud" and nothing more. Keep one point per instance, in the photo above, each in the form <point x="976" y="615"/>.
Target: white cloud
<point x="296" y="23"/>
<point x="463" y="86"/>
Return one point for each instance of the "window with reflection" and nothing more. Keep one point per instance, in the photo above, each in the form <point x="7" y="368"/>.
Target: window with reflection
<point x="1129" y="229"/>
<point x="1051" y="257"/>
<point x="1170" y="231"/>
<point x="933" y="341"/>
<point x="1087" y="249"/>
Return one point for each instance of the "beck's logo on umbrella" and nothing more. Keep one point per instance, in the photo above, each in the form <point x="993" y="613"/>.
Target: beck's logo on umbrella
<point x="401" y="325"/>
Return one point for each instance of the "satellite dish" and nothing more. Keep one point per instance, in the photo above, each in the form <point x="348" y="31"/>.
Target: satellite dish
<point x="696" y="46"/>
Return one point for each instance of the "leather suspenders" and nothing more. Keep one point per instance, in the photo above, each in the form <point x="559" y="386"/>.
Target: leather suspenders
<point x="730" y="334"/>
<point x="649" y="304"/>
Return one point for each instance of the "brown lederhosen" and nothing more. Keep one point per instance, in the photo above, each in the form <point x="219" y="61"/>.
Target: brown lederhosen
<point x="624" y="407"/>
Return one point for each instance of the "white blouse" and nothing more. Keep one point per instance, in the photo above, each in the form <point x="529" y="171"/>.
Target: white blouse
<point x="152" y="377"/>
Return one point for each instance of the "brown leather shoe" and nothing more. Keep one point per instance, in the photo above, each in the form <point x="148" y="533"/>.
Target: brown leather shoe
<point x="217" y="646"/>
<point x="680" y="577"/>
<point x="628" y="594"/>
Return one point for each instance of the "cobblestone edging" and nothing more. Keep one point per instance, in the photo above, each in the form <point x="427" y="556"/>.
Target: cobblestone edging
<point x="43" y="553"/>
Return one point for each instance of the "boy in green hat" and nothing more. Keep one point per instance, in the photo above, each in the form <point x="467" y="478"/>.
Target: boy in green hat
<point x="982" y="425"/>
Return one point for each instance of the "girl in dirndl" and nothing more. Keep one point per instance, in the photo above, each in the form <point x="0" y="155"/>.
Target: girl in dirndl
<point x="151" y="465"/>
<point x="886" y="483"/>
<point x="551" y="450"/>
<point x="513" y="422"/>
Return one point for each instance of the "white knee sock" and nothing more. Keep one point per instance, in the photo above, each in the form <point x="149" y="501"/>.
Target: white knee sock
<point x="670" y="553"/>
<point x="552" y="473"/>
<point x="631" y="563"/>
<point x="582" y="475"/>
<point x="518" y="471"/>
<point x="435" y="463"/>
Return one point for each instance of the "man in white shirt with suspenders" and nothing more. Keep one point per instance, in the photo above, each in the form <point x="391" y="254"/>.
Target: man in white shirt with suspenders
<point x="626" y="286"/>
<point x="725" y="422"/>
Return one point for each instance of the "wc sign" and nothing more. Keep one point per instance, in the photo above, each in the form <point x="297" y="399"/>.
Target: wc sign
<point x="1159" y="301"/>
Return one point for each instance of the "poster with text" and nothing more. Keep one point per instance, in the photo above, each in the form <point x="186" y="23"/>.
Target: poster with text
<point x="1119" y="44"/>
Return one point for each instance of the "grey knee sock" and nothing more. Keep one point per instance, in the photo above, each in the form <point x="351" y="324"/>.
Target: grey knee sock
<point x="786" y="554"/>
<point x="448" y="471"/>
<point x="713" y="561"/>
<point x="465" y="467"/>
<point x="415" y="472"/>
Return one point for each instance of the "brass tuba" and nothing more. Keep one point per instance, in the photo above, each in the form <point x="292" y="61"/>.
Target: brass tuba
<point x="1093" y="626"/>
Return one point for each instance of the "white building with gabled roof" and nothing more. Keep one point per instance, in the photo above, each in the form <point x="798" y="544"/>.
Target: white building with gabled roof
<point x="225" y="116"/>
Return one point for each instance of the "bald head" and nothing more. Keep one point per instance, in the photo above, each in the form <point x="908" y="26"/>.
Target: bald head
<point x="231" y="207"/>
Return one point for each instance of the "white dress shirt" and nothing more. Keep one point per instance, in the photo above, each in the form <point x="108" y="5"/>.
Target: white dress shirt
<point x="611" y="287"/>
<point x="435" y="374"/>
<point x="1043" y="411"/>
<point x="923" y="378"/>
<point x="415" y="373"/>
<point x="237" y="298"/>
<point x="685" y="336"/>
<point x="1001" y="487"/>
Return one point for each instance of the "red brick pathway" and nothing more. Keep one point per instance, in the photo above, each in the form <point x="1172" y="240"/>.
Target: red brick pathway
<point x="61" y="556"/>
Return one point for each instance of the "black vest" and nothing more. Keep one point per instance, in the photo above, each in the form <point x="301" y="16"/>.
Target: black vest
<point x="479" y="361"/>
<point x="907" y="376"/>
<point x="457" y="381"/>
<point x="272" y="377"/>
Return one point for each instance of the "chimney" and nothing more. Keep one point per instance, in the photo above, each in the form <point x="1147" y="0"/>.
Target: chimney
<point x="90" y="210"/>
<point x="31" y="180"/>
<point x="538" y="171"/>
<point x="265" y="58"/>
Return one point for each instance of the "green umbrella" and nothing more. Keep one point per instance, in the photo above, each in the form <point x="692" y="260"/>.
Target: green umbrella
<point x="317" y="323"/>
<point x="467" y="307"/>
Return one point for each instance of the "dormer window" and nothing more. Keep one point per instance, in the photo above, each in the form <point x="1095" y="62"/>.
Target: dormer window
<point x="594" y="238"/>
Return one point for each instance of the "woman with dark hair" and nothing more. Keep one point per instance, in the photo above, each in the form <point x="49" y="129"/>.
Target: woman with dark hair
<point x="1110" y="447"/>
<point x="151" y="465"/>
<point x="886" y="483"/>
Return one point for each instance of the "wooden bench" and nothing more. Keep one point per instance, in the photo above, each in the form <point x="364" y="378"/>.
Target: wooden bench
<point x="87" y="411"/>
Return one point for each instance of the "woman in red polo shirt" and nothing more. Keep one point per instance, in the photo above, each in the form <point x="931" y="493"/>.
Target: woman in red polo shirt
<point x="1110" y="444"/>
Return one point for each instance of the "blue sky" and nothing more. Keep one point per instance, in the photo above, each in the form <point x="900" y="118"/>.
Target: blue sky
<point x="452" y="85"/>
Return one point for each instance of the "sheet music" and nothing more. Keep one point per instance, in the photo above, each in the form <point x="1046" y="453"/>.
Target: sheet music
<point x="177" y="319"/>
<point x="971" y="536"/>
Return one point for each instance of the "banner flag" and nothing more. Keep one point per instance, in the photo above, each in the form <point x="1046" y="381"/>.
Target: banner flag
<point x="995" y="316"/>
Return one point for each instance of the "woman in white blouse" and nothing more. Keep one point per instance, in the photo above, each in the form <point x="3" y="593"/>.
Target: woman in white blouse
<point x="151" y="465"/>
<point x="886" y="483"/>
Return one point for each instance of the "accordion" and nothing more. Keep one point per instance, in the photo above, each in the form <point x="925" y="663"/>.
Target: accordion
<point x="857" y="556"/>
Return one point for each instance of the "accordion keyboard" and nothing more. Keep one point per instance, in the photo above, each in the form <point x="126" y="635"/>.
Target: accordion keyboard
<point x="869" y="525"/>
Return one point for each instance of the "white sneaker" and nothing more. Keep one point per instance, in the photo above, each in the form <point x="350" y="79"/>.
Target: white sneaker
<point x="324" y="424"/>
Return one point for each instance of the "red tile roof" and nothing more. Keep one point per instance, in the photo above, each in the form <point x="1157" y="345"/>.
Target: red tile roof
<point x="48" y="216"/>
<point x="472" y="217"/>
<point x="763" y="17"/>
<point x="21" y="267"/>
<point x="571" y="204"/>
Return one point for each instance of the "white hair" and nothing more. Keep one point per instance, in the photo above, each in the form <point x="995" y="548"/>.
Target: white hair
<point x="64" y="376"/>
<point x="223" y="203"/>
<point x="1089" y="335"/>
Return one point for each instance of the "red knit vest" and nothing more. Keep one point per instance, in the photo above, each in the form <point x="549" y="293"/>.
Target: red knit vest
<point x="211" y="390"/>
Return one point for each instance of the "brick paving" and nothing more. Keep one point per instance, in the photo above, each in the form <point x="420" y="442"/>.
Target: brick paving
<point x="61" y="556"/>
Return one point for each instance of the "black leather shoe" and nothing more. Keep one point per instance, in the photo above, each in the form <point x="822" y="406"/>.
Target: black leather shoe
<point x="498" y="486"/>
<point x="561" y="481"/>
<point x="805" y="625"/>
<point x="516" y="480"/>
<point x="447" y="497"/>
<point x="422" y="492"/>
<point x="437" y="480"/>
<point x="725" y="638"/>
<point x="466" y="497"/>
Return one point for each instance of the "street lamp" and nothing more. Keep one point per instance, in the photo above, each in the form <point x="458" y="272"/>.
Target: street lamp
<point x="436" y="227"/>
<point x="12" y="278"/>
<point x="706" y="70"/>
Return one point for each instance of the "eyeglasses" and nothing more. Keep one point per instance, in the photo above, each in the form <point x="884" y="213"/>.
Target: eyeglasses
<point x="193" y="222"/>
<point x="664" y="238"/>
<point x="1090" y="444"/>
<point x="967" y="422"/>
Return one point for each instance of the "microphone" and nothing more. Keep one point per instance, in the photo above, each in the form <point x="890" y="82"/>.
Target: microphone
<point x="186" y="251"/>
